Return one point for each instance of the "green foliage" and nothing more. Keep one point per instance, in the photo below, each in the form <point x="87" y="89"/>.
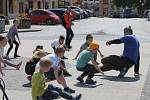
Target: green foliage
<point x="129" y="3"/>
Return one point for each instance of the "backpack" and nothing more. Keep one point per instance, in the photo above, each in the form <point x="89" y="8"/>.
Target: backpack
<point x="30" y="66"/>
<point x="63" y="21"/>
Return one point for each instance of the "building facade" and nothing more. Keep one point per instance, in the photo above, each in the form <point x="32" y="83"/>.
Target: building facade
<point x="16" y="7"/>
<point x="99" y="7"/>
<point x="12" y="8"/>
<point x="3" y="7"/>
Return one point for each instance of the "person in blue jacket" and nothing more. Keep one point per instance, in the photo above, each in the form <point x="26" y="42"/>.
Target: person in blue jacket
<point x="130" y="56"/>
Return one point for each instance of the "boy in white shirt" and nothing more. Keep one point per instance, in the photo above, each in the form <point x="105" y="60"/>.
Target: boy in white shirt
<point x="57" y="43"/>
<point x="56" y="72"/>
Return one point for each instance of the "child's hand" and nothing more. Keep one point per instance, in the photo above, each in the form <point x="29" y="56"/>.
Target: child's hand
<point x="107" y="44"/>
<point x="100" y="71"/>
<point x="102" y="56"/>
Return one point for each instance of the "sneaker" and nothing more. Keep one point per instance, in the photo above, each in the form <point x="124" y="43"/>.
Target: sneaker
<point x="66" y="74"/>
<point x="18" y="65"/>
<point x="80" y="79"/>
<point x="64" y="57"/>
<point x="69" y="47"/>
<point x="90" y="81"/>
<point x="137" y="74"/>
<point x="78" y="97"/>
<point x="6" y="57"/>
<point x="69" y="90"/>
<point x="123" y="71"/>
<point x="16" y="56"/>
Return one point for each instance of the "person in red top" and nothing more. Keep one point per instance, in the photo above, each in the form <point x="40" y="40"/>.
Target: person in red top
<point x="68" y="16"/>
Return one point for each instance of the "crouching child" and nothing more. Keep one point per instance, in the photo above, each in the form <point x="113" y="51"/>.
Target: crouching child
<point x="84" y="66"/>
<point x="47" y="92"/>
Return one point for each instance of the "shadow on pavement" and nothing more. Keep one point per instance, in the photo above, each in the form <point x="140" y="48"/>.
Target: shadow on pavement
<point x="28" y="85"/>
<point x="8" y="69"/>
<point x="83" y="85"/>
<point x="124" y="79"/>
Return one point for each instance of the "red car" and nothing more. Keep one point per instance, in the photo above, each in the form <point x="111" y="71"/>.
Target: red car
<point x="41" y="16"/>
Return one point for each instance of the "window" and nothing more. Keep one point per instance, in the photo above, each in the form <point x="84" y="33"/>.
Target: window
<point x="43" y="13"/>
<point x="63" y="3"/>
<point x="39" y="4"/>
<point x="11" y="10"/>
<point x="30" y="4"/>
<point x="46" y="5"/>
<point x="1" y="6"/>
<point x="105" y="11"/>
<point x="35" y="13"/>
<point x="105" y="1"/>
<point x="20" y="7"/>
<point x="53" y="4"/>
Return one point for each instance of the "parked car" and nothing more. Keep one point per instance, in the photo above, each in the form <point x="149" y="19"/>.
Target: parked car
<point x="148" y="16"/>
<point x="60" y="12"/>
<point x="41" y="16"/>
<point x="75" y="8"/>
<point x="128" y="13"/>
<point x="116" y="15"/>
<point x="86" y="14"/>
<point x="90" y="12"/>
<point x="146" y="13"/>
<point x="5" y="18"/>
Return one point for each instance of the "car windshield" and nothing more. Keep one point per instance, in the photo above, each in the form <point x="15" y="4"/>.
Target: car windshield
<point x="127" y="11"/>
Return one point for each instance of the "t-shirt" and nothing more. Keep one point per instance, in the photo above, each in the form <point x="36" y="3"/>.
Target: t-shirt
<point x="84" y="57"/>
<point x="84" y="46"/>
<point x="1" y="52"/>
<point x="131" y="47"/>
<point x="55" y="43"/>
<point x="54" y="59"/>
<point x="12" y="33"/>
<point x="38" y="85"/>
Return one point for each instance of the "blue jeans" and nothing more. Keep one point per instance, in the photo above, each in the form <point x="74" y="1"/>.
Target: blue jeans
<point x="53" y="92"/>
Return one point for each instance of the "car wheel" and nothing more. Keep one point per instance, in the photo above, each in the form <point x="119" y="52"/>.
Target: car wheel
<point x="49" y="22"/>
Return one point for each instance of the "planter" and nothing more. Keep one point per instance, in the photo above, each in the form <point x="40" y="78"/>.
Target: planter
<point x="2" y="25"/>
<point x="24" y="23"/>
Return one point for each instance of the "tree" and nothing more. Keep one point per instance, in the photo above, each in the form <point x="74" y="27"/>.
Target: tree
<point x="125" y="3"/>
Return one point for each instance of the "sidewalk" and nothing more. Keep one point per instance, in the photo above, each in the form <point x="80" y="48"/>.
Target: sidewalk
<point x="34" y="28"/>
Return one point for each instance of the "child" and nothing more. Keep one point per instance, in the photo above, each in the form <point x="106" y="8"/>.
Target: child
<point x="83" y="64"/>
<point x="89" y="39"/>
<point x="47" y="92"/>
<point x="56" y="72"/>
<point x="31" y="64"/>
<point x="57" y="43"/>
<point x="39" y="47"/>
<point x="3" y="42"/>
<point x="11" y="38"/>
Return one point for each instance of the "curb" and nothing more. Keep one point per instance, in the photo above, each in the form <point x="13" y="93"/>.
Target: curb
<point x="22" y="31"/>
